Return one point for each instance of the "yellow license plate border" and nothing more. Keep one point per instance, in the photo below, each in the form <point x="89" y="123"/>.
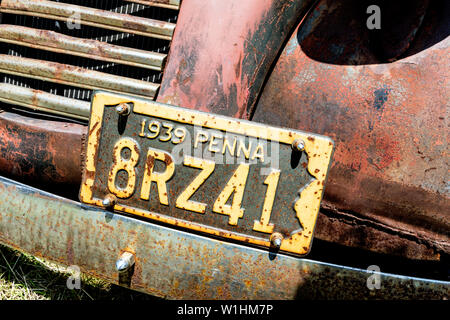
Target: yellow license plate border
<point x="318" y="148"/>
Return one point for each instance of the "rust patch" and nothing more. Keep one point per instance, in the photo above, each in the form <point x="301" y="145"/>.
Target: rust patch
<point x="167" y="159"/>
<point x="149" y="165"/>
<point x="384" y="118"/>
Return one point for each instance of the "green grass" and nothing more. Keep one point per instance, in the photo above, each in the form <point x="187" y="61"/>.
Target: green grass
<point x="24" y="277"/>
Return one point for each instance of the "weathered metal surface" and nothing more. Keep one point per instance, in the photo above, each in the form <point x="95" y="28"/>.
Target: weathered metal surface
<point x="372" y="190"/>
<point x="222" y="51"/>
<point x="22" y="161"/>
<point x="240" y="160"/>
<point x="93" y="49"/>
<point x="389" y="121"/>
<point x="27" y="141"/>
<point x="176" y="264"/>
<point x="43" y="101"/>
<point x="170" y="4"/>
<point x="75" y="76"/>
<point x="352" y="230"/>
<point x="90" y="16"/>
<point x="44" y="153"/>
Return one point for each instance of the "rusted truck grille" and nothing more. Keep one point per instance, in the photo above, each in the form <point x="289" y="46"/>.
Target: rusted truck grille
<point x="54" y="54"/>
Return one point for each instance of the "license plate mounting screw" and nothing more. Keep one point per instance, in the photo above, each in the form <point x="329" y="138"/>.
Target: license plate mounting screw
<point x="275" y="239"/>
<point x="109" y="201"/>
<point x="123" y="109"/>
<point x="298" y="145"/>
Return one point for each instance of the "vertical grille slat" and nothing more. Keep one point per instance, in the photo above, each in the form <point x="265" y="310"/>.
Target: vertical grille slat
<point x="121" y="60"/>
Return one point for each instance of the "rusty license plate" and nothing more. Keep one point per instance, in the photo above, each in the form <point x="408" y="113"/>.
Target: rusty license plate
<point x="222" y="176"/>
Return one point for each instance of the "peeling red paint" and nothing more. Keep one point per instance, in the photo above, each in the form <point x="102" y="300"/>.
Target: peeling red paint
<point x="218" y="63"/>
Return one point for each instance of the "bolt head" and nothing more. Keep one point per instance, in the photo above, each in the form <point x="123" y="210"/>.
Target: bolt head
<point x="122" y="265"/>
<point x="125" y="262"/>
<point x="109" y="201"/>
<point x="277" y="242"/>
<point x="123" y="109"/>
<point x="298" y="145"/>
<point x="276" y="239"/>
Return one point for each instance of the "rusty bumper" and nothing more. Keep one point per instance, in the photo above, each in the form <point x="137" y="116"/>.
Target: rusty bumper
<point x="175" y="264"/>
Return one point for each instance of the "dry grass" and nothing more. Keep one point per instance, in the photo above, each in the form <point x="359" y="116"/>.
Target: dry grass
<point x="24" y="277"/>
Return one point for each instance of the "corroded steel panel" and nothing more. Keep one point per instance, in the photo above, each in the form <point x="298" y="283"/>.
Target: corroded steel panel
<point x="389" y="120"/>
